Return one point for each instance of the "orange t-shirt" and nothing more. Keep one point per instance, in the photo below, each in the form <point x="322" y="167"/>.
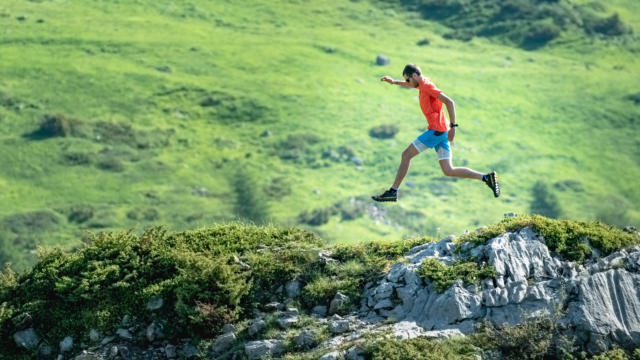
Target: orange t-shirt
<point x="430" y="104"/>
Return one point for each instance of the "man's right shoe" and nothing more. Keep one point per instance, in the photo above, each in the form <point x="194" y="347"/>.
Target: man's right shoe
<point x="492" y="182"/>
<point x="388" y="195"/>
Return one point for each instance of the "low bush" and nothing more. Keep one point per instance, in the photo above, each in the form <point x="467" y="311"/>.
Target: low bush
<point x="29" y="222"/>
<point x="529" y="340"/>
<point x="562" y="236"/>
<point x="383" y="131"/>
<point x="111" y="163"/>
<point x="316" y="217"/>
<point x="55" y="126"/>
<point x="443" y="276"/>
<point x="80" y="213"/>
<point x="228" y="108"/>
<point x="77" y="158"/>
<point x="421" y="348"/>
<point x="116" y="274"/>
<point x="529" y="24"/>
<point x="545" y="202"/>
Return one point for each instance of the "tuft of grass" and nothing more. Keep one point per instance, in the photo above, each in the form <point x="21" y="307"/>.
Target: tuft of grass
<point x="443" y="276"/>
<point x="529" y="340"/>
<point x="421" y="348"/>
<point x="573" y="240"/>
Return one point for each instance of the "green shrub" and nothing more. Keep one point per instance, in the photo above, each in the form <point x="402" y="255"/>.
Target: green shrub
<point x="383" y="131"/>
<point x="29" y="222"/>
<point x="80" y="213"/>
<point x="111" y="163"/>
<point x="249" y="203"/>
<point x="116" y="274"/>
<point x="539" y="33"/>
<point x="421" y="348"/>
<point x="297" y="147"/>
<point x="317" y="217"/>
<point x="545" y="202"/>
<point x="610" y="26"/>
<point x="614" y="354"/>
<point x="54" y="126"/>
<point x="562" y="236"/>
<point x="529" y="340"/>
<point x="443" y="276"/>
<point x="228" y="108"/>
<point x="77" y="158"/>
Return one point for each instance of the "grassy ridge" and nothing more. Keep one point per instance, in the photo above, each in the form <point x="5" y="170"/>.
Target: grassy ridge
<point x="212" y="276"/>
<point x="218" y="75"/>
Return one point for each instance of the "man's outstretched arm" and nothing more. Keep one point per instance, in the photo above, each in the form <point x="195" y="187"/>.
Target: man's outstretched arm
<point x="390" y="80"/>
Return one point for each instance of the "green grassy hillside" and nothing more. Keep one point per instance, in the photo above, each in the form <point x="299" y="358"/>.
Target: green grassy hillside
<point x="120" y="115"/>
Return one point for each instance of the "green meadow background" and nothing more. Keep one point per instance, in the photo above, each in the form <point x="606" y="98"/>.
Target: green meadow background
<point x="123" y="115"/>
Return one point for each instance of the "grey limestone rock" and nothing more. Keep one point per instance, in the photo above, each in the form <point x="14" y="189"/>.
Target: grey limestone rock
<point x="306" y="339"/>
<point x="27" y="338"/>
<point x="154" y="331"/>
<point x="124" y="334"/>
<point x="339" y="326"/>
<point x="334" y="355"/>
<point x="155" y="304"/>
<point x="223" y="343"/>
<point x="293" y="289"/>
<point x="338" y="301"/>
<point x="319" y="311"/>
<point x="66" y="344"/>
<point x="257" y="325"/>
<point x="602" y="297"/>
<point x="263" y="348"/>
<point x="382" y="60"/>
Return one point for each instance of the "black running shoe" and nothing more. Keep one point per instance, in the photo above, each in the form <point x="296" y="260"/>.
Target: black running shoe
<point x="492" y="182"/>
<point x="388" y="195"/>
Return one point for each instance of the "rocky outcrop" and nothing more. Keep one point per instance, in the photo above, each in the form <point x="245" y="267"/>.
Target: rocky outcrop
<point x="601" y="298"/>
<point x="596" y="303"/>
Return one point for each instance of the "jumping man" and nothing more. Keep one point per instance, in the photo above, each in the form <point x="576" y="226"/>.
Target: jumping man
<point x="437" y="135"/>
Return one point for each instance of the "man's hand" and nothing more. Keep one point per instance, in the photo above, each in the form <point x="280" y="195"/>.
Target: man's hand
<point x="452" y="133"/>
<point x="387" y="79"/>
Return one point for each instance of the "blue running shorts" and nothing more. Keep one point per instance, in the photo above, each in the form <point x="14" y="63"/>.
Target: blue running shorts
<point x="440" y="143"/>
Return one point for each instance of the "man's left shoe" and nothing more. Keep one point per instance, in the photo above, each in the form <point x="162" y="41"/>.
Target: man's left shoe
<point x="492" y="182"/>
<point x="388" y="195"/>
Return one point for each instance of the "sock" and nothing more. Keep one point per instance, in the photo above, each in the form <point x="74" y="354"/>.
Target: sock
<point x="485" y="177"/>
<point x="394" y="189"/>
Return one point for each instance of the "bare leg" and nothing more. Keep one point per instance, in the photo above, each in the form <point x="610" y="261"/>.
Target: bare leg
<point x="407" y="154"/>
<point x="462" y="172"/>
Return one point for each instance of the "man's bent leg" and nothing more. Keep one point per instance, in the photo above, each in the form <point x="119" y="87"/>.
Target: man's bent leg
<point x="462" y="172"/>
<point x="407" y="154"/>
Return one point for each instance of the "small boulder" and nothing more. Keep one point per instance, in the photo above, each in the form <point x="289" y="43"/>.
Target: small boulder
<point x="305" y="340"/>
<point x="339" y="301"/>
<point x="293" y="289"/>
<point x="319" y="311"/>
<point x="170" y="351"/>
<point x="338" y="326"/>
<point x="66" y="344"/>
<point x="264" y="348"/>
<point x="154" y="332"/>
<point x="382" y="60"/>
<point x="334" y="355"/>
<point x="124" y="334"/>
<point x="27" y="339"/>
<point x="94" y="335"/>
<point x="155" y="304"/>
<point x="256" y="327"/>
<point x="228" y="328"/>
<point x="223" y="343"/>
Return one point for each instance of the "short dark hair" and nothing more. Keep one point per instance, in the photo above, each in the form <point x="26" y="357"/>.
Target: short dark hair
<point x="410" y="69"/>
